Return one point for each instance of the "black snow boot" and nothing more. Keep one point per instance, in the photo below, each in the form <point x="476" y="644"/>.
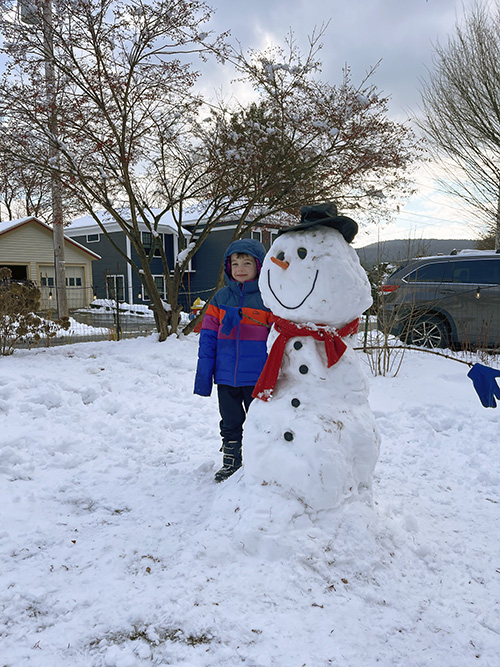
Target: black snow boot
<point x="231" y="460"/>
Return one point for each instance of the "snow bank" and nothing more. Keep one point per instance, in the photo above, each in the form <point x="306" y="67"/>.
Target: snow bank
<point x="114" y="549"/>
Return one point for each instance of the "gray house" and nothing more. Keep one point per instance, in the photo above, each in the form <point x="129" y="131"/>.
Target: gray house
<point x="113" y="275"/>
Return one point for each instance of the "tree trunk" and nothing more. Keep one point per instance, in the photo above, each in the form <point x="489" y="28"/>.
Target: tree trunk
<point x="174" y="287"/>
<point x="58" y="241"/>
<point x="497" y="228"/>
<point x="57" y="206"/>
<point x="162" y="317"/>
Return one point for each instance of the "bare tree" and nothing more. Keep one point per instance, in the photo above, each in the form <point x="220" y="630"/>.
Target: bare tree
<point x="461" y="114"/>
<point x="301" y="140"/>
<point x="24" y="189"/>
<point x="133" y="135"/>
<point x="120" y="73"/>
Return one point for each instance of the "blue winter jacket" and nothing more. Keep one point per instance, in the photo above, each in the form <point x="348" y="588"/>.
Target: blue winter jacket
<point x="236" y="358"/>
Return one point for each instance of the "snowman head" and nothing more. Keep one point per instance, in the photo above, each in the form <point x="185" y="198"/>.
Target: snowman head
<point x="312" y="275"/>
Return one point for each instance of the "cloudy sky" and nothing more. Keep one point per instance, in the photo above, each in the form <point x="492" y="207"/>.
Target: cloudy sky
<point x="400" y="34"/>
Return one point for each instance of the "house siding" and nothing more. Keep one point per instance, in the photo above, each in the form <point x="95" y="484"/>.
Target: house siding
<point x="31" y="245"/>
<point x="156" y="267"/>
<point x="206" y="264"/>
<point x="111" y="262"/>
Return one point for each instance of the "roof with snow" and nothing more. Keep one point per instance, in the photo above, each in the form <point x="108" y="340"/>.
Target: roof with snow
<point x="88" y="224"/>
<point x="13" y="224"/>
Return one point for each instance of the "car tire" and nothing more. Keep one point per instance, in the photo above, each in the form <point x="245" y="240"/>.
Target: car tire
<point x="429" y="331"/>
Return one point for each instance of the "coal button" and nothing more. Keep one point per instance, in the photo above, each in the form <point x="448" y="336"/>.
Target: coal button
<point x="297" y="345"/>
<point x="303" y="369"/>
<point x="295" y="402"/>
<point x="288" y="436"/>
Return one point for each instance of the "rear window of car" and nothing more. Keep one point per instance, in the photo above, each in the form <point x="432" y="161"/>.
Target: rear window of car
<point x="481" y="272"/>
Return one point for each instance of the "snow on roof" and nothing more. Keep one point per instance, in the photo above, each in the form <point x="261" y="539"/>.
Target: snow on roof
<point x="11" y="224"/>
<point x="467" y="252"/>
<point x="88" y="223"/>
<point x="473" y="251"/>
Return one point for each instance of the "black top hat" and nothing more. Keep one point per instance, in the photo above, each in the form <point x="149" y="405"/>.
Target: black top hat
<point x="326" y="215"/>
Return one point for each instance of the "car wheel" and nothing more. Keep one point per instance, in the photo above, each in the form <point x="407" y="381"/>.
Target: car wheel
<point x="429" y="332"/>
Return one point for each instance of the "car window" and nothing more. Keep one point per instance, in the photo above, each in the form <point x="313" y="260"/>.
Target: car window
<point x="481" y="272"/>
<point x="437" y="272"/>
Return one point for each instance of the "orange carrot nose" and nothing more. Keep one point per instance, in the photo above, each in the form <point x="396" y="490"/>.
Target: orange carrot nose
<point x="280" y="263"/>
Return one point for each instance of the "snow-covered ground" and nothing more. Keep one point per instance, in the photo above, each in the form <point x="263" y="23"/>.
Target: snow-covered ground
<point x="118" y="549"/>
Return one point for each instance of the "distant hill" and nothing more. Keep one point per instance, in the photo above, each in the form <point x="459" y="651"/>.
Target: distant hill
<point x="398" y="250"/>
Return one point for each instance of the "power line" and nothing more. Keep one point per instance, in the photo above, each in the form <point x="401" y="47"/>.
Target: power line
<point x="431" y="217"/>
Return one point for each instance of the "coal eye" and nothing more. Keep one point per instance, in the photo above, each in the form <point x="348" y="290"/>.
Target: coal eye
<point x="280" y="256"/>
<point x="302" y="252"/>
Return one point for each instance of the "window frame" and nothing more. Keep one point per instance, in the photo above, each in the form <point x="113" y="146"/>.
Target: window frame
<point x="163" y="292"/>
<point x="160" y="241"/>
<point x="116" y="288"/>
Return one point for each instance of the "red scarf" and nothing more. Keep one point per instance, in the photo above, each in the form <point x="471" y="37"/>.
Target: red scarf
<point x="334" y="345"/>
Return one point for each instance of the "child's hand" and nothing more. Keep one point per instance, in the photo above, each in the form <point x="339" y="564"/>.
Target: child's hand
<point x="231" y="319"/>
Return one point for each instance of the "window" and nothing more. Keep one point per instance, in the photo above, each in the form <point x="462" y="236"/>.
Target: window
<point x="160" y="284"/>
<point x="18" y="272"/>
<point x="274" y="236"/>
<point x="439" y="272"/>
<point x="256" y="235"/>
<point x="115" y="288"/>
<point x="147" y="242"/>
<point x="93" y="238"/>
<point x="479" y="271"/>
<point x="72" y="281"/>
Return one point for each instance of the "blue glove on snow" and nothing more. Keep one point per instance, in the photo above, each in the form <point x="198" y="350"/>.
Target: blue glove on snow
<point x="483" y="378"/>
<point x="231" y="319"/>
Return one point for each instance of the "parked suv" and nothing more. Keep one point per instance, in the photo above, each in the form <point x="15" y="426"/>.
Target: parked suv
<point x="444" y="301"/>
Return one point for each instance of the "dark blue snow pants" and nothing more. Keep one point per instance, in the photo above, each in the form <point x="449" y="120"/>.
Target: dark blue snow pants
<point x="233" y="408"/>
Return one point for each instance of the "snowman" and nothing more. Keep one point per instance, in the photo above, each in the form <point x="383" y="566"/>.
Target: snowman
<point x="310" y="434"/>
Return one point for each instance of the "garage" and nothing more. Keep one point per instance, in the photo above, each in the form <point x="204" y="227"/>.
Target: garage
<point x="27" y="248"/>
<point x="78" y="294"/>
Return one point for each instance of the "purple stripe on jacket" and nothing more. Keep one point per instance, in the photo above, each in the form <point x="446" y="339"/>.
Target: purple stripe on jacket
<point x="210" y="322"/>
<point x="247" y="332"/>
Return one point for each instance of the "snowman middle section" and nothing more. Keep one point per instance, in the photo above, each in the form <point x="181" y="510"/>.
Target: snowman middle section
<point x="315" y="439"/>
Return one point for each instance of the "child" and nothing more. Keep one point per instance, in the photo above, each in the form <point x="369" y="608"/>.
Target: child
<point x="232" y="349"/>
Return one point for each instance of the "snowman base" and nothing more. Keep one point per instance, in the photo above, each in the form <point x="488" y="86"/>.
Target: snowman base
<point x="322" y="452"/>
<point x="272" y="524"/>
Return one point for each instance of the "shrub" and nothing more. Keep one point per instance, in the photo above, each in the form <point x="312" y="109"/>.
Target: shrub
<point x="19" y="303"/>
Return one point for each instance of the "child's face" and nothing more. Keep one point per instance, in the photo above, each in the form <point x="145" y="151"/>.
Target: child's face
<point x="243" y="268"/>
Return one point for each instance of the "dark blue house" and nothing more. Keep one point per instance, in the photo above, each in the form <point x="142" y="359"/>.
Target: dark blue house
<point x="113" y="275"/>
